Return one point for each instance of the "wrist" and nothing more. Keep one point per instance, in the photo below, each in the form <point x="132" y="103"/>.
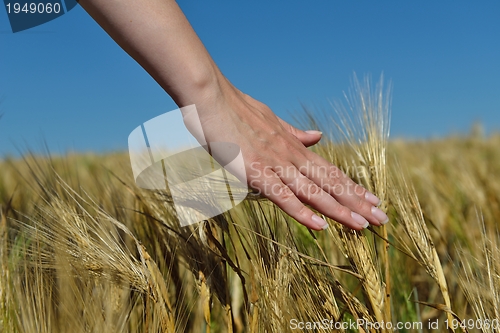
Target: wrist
<point x="199" y="85"/>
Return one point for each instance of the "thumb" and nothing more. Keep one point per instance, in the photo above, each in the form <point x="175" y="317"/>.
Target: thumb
<point x="308" y="138"/>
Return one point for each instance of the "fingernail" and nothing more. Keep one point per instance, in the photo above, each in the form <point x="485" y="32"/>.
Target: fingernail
<point x="314" y="132"/>
<point x="380" y="215"/>
<point x="320" y="222"/>
<point x="371" y="198"/>
<point x="360" y="220"/>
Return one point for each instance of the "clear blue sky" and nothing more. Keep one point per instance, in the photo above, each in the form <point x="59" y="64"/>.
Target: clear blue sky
<point x="67" y="82"/>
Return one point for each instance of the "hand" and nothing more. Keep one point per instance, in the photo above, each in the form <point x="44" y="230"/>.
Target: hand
<point x="277" y="164"/>
<point x="280" y="167"/>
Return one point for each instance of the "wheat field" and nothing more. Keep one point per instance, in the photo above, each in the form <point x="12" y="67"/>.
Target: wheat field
<point x="83" y="249"/>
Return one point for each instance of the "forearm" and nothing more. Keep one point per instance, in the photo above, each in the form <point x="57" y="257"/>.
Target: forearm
<point x="158" y="36"/>
<point x="276" y="162"/>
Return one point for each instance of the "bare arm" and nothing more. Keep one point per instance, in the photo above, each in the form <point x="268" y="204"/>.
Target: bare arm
<point x="159" y="37"/>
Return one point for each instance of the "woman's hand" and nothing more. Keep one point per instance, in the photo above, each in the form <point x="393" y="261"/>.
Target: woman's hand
<point x="279" y="166"/>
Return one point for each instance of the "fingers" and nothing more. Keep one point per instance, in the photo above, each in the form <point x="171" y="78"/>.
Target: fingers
<point x="310" y="193"/>
<point x="308" y="138"/>
<point x="299" y="176"/>
<point x="279" y="193"/>
<point x="343" y="189"/>
<point x="289" y="189"/>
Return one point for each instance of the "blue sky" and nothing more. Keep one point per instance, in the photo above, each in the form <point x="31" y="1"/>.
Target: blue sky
<point x="68" y="83"/>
